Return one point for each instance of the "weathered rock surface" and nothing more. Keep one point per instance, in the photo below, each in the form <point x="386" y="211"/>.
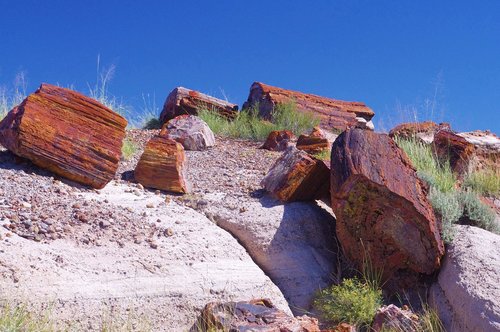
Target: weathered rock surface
<point x="183" y="101"/>
<point x="333" y="113"/>
<point x="381" y="206"/>
<point x="67" y="133"/>
<point x="189" y="130"/>
<point x="313" y="143"/>
<point x="296" y="176"/>
<point x="450" y="146"/>
<point x="392" y="318"/>
<point x="487" y="155"/>
<point x="278" y="140"/>
<point x="422" y="130"/>
<point x="163" y="166"/>
<point x="254" y="315"/>
<point x="467" y="292"/>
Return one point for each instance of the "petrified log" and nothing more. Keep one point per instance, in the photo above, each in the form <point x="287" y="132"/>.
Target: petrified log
<point x="163" y="166"/>
<point x="296" y="176"/>
<point x="67" y="133"/>
<point x="422" y="130"/>
<point x="255" y="315"/>
<point x="381" y="206"/>
<point x="313" y="143"/>
<point x="189" y="130"/>
<point x="334" y="114"/>
<point x="449" y="146"/>
<point x="487" y="146"/>
<point x="278" y="140"/>
<point x="184" y="101"/>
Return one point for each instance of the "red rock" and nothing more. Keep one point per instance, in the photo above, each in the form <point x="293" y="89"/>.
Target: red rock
<point x="449" y="146"/>
<point x="296" y="176"/>
<point x="163" y="166"/>
<point x="422" y="130"/>
<point x="67" y="133"/>
<point x="381" y="206"/>
<point x="392" y="318"/>
<point x="255" y="315"/>
<point x="487" y="149"/>
<point x="184" y="101"/>
<point x="333" y="113"/>
<point x="313" y="143"/>
<point x="278" y="140"/>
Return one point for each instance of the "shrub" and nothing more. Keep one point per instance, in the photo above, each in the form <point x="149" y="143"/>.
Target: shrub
<point x="478" y="212"/>
<point x="129" y="148"/>
<point x="352" y="301"/>
<point x="323" y="155"/>
<point x="449" y="207"/>
<point x="485" y="182"/>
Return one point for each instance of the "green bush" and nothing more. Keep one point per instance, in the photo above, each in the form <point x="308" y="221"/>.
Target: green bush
<point x="449" y="206"/>
<point x="485" y="182"/>
<point x="478" y="212"/>
<point x="352" y="301"/>
<point x="129" y="148"/>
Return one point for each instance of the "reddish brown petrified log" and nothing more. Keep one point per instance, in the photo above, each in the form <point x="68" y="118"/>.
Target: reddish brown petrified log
<point x="163" y="166"/>
<point x="449" y="146"/>
<point x="313" y="143"/>
<point x="334" y="114"/>
<point x="67" y="133"/>
<point x="381" y="205"/>
<point x="423" y="130"/>
<point x="184" y="101"/>
<point x="278" y="140"/>
<point x="296" y="176"/>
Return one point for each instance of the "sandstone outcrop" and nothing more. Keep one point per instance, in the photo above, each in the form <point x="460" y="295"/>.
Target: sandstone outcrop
<point x="421" y="130"/>
<point x="189" y="130"/>
<point x="67" y="133"/>
<point x="296" y="176"/>
<point x="163" y="166"/>
<point x="278" y="140"/>
<point x="334" y="114"/>
<point x="451" y="147"/>
<point x="183" y="101"/>
<point x="466" y="294"/>
<point x="313" y="143"/>
<point x="254" y="315"/>
<point x="381" y="205"/>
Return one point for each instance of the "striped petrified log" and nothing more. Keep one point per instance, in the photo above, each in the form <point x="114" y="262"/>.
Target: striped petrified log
<point x="334" y="114"/>
<point x="163" y="166"/>
<point x="184" y="101"/>
<point x="67" y="133"/>
<point x="451" y="147"/>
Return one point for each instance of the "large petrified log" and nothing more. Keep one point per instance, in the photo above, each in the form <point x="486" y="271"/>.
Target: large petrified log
<point x="334" y="114"/>
<point x="381" y="205"/>
<point x="185" y="101"/>
<point x="254" y="315"/>
<point x="451" y="147"/>
<point x="163" y="166"/>
<point x="67" y="133"/>
<point x="296" y="176"/>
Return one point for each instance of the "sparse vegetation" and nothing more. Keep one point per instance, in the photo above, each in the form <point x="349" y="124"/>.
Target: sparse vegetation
<point x="19" y="319"/>
<point x="477" y="212"/>
<point x="129" y="148"/>
<point x="485" y="182"/>
<point x="10" y="98"/>
<point x="448" y="206"/>
<point x="248" y="124"/>
<point x="323" y="155"/>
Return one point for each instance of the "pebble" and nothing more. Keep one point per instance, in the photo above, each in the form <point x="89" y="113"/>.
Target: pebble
<point x="153" y="245"/>
<point x="26" y="205"/>
<point x="150" y="205"/>
<point x="168" y="232"/>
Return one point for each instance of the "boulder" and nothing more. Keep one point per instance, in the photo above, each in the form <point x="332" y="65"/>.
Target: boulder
<point x="296" y="176"/>
<point x="467" y="293"/>
<point x="313" y="143"/>
<point x="392" y="318"/>
<point x="278" y="140"/>
<point x="254" y="315"/>
<point x="421" y="130"/>
<point x="185" y="101"/>
<point x="450" y="146"/>
<point x="487" y="144"/>
<point x="163" y="166"/>
<point x="66" y="133"/>
<point x="333" y="113"/>
<point x="189" y="130"/>
<point x="381" y="206"/>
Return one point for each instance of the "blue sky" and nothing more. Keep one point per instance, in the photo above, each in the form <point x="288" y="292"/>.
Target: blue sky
<point x="396" y="56"/>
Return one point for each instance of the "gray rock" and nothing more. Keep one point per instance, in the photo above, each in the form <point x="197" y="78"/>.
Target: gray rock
<point x="191" y="131"/>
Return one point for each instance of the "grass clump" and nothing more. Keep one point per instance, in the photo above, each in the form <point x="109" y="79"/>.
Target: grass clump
<point x="353" y="301"/>
<point x="19" y="319"/>
<point x="485" y="182"/>
<point x="129" y="148"/>
<point x="478" y="213"/>
<point x="9" y="98"/>
<point x="249" y="125"/>
<point x="323" y="155"/>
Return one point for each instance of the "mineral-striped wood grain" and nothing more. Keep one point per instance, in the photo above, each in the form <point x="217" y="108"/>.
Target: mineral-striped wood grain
<point x="67" y="133"/>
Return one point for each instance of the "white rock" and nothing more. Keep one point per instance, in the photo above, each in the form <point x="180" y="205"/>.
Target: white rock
<point x="191" y="131"/>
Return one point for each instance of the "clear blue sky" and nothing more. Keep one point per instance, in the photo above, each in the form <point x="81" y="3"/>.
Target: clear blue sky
<point x="385" y="53"/>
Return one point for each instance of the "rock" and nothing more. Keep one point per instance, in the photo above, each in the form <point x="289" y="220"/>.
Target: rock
<point x="333" y="113"/>
<point x="487" y="144"/>
<point x="189" y="130"/>
<point x="381" y="206"/>
<point x="451" y="147"/>
<point x="163" y="166"/>
<point x="66" y="133"/>
<point x="313" y="143"/>
<point x="278" y="140"/>
<point x="421" y="130"/>
<point x="392" y="318"/>
<point x="254" y="315"/>
<point x="183" y="101"/>
<point x="296" y="176"/>
<point x="467" y="293"/>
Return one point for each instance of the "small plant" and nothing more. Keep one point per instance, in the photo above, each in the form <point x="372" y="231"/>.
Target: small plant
<point x="449" y="207"/>
<point x="129" y="148"/>
<point x="485" y="182"/>
<point x="19" y="318"/>
<point x="352" y="302"/>
<point x="323" y="155"/>
<point x="478" y="212"/>
<point x="429" y="320"/>
<point x="11" y="98"/>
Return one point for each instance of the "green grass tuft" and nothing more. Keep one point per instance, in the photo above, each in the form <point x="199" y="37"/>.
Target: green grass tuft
<point x="323" y="155"/>
<point x="129" y="148"/>
<point x="478" y="212"/>
<point x="485" y="182"/>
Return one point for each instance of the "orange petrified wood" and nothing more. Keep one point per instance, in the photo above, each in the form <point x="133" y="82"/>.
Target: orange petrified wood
<point x="67" y="133"/>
